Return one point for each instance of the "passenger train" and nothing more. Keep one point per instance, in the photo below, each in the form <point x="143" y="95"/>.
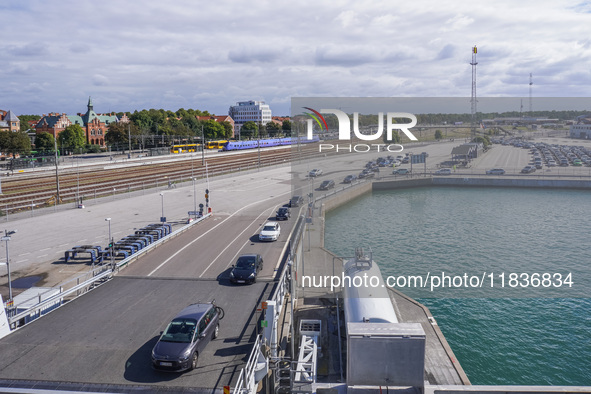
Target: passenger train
<point x="239" y="145"/>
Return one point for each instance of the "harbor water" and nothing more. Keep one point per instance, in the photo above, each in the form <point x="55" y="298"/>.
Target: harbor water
<point x="534" y="330"/>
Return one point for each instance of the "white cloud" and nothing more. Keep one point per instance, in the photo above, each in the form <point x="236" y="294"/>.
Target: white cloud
<point x="208" y="57"/>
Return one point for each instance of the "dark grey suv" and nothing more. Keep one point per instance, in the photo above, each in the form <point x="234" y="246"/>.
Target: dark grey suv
<point x="186" y="336"/>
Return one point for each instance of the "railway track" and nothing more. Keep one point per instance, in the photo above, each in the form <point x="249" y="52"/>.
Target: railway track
<point x="29" y="190"/>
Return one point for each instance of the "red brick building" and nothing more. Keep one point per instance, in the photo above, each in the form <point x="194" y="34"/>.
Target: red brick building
<point x="94" y="125"/>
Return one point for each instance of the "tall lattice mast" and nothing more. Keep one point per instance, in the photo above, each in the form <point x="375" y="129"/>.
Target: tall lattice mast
<point x="473" y="101"/>
<point x="531" y="82"/>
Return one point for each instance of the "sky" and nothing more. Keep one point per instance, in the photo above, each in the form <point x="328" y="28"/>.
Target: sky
<point x="134" y="55"/>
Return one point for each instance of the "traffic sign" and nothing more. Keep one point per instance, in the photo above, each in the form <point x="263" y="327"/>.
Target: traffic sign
<point x="193" y="213"/>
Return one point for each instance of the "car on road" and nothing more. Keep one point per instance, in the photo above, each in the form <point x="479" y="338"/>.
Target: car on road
<point x="349" y="178"/>
<point x="528" y="169"/>
<point x="314" y="173"/>
<point x="246" y="268"/>
<point x="443" y="171"/>
<point x="185" y="337"/>
<point x="296" y="201"/>
<point x="283" y="213"/>
<point x="270" y="232"/>
<point x="401" y="171"/>
<point x="495" y="171"/>
<point x="366" y="174"/>
<point x="325" y="185"/>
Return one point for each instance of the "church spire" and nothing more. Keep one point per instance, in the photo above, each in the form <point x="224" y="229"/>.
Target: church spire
<point x="90" y="104"/>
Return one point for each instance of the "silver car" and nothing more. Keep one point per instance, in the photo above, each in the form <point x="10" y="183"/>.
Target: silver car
<point x="186" y="336"/>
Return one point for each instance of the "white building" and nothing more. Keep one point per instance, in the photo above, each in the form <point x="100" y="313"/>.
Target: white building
<point x="249" y="111"/>
<point x="580" y="131"/>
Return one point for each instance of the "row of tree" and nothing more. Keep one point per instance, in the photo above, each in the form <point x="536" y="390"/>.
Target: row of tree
<point x="143" y="126"/>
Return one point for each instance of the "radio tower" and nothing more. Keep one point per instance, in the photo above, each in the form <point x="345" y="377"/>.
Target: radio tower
<point x="473" y="101"/>
<point x="531" y="82"/>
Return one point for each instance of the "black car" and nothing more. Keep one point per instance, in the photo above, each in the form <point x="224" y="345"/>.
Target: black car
<point x="325" y="185"/>
<point x="296" y="201"/>
<point x="185" y="337"/>
<point x="246" y="268"/>
<point x="283" y="213"/>
<point x="349" y="178"/>
<point x="367" y="174"/>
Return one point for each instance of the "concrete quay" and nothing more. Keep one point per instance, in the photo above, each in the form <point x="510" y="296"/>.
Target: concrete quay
<point x="441" y="365"/>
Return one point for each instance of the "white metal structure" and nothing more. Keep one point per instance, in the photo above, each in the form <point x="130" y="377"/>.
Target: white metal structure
<point x="370" y="303"/>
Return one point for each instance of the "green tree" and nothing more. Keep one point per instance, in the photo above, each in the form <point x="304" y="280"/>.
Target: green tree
<point x="249" y="130"/>
<point x="72" y="138"/>
<point x="118" y="133"/>
<point x="438" y="135"/>
<point x="213" y="130"/>
<point x="15" y="142"/>
<point x="44" y="142"/>
<point x="24" y="119"/>
<point x="228" y="129"/>
<point x="286" y="126"/>
<point x="483" y="139"/>
<point x="272" y="129"/>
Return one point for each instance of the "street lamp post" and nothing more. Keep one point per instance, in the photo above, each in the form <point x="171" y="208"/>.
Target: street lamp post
<point x="194" y="198"/>
<point x="110" y="241"/>
<point x="162" y="218"/>
<point x="6" y="238"/>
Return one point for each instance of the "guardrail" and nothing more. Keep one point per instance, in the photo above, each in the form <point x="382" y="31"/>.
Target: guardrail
<point x="97" y="275"/>
<point x="247" y="382"/>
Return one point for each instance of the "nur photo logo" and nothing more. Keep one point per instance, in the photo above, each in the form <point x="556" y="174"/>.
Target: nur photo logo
<point x="344" y="130"/>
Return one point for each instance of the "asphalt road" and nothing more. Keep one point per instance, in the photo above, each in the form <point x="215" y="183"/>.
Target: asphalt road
<point x="107" y="335"/>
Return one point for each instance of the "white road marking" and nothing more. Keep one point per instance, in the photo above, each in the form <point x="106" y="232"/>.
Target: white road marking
<point x="231" y="242"/>
<point x="211" y="229"/>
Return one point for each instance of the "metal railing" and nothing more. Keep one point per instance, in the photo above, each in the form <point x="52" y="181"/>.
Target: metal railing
<point x="74" y="287"/>
<point x="246" y="380"/>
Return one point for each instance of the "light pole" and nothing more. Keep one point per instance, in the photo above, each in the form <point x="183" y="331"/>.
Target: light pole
<point x="194" y="198"/>
<point x="6" y="238"/>
<point x="110" y="241"/>
<point x="162" y="218"/>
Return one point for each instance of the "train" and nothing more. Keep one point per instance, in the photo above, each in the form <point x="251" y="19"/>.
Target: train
<point x="184" y="148"/>
<point x="215" y="144"/>
<point x="251" y="144"/>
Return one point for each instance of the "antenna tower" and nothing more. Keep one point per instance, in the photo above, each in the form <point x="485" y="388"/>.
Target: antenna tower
<point x="473" y="100"/>
<point x="531" y="82"/>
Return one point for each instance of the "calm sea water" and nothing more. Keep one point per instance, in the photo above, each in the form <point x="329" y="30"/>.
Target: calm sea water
<point x="507" y="336"/>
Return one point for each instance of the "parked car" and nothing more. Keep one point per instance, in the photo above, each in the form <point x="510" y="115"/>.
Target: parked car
<point x="367" y="174"/>
<point x="443" y="171"/>
<point x="185" y="337"/>
<point x="270" y="232"/>
<point x="401" y="171"/>
<point x="349" y="178"/>
<point x="325" y="185"/>
<point x="296" y="201"/>
<point x="315" y="172"/>
<point x="246" y="268"/>
<point x="283" y="213"/>
<point x="495" y="171"/>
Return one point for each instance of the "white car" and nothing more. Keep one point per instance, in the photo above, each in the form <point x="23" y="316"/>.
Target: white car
<point x="315" y="172"/>
<point x="443" y="171"/>
<point x="495" y="171"/>
<point x="270" y="232"/>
